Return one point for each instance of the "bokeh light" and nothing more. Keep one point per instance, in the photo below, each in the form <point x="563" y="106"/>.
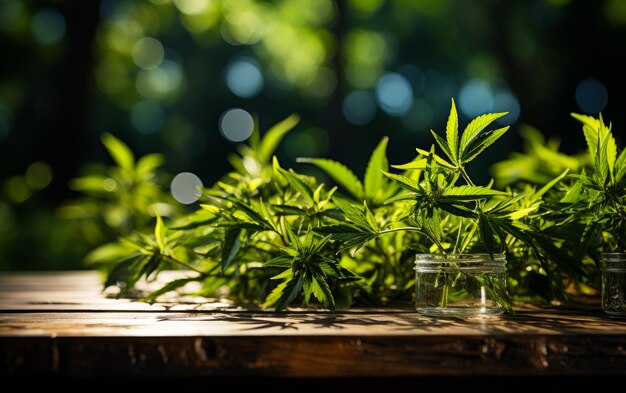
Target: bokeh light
<point x="162" y="82"/>
<point x="591" y="96"/>
<point x="148" y="53"/>
<point x="192" y="7"/>
<point x="147" y="116"/>
<point x="48" y="26"/>
<point x="505" y="101"/>
<point x="394" y="94"/>
<point x="38" y="175"/>
<point x="475" y="98"/>
<point x="185" y="188"/>
<point x="17" y="190"/>
<point x="359" y="107"/>
<point x="244" y="78"/>
<point x="236" y="125"/>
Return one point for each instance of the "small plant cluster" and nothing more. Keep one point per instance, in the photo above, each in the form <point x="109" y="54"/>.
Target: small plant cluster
<point x="271" y="235"/>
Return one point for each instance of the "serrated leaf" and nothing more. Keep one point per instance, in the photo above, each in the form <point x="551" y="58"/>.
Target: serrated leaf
<point x="279" y="261"/>
<point x="452" y="133"/>
<point x="444" y="146"/>
<point x="482" y="142"/>
<point x="521" y="213"/>
<point x="590" y="130"/>
<point x="601" y="162"/>
<point x="374" y="179"/>
<point x="230" y="247"/>
<point x="276" y="293"/>
<point x="611" y="153"/>
<point x="300" y="185"/>
<point x="340" y="173"/>
<point x="487" y="235"/>
<point x="469" y="193"/>
<point x="405" y="182"/>
<point x="438" y="159"/>
<point x="418" y="164"/>
<point x="352" y="212"/>
<point x="274" y="135"/>
<point x="292" y="289"/>
<point x="475" y="127"/>
<point x="119" y="151"/>
<point x="573" y="194"/>
<point x="322" y="292"/>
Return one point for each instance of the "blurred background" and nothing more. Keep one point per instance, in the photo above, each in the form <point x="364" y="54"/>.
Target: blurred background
<point x="188" y="79"/>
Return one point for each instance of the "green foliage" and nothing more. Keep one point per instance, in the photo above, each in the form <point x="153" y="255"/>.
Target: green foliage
<point x="281" y="238"/>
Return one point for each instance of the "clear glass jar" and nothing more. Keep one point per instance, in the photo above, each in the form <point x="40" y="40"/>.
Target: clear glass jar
<point x="614" y="283"/>
<point x="460" y="285"/>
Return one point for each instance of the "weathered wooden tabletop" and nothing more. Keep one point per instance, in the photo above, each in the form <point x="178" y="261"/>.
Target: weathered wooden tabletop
<point x="62" y="324"/>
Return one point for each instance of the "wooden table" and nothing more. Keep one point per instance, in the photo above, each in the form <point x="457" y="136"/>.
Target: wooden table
<point x="61" y="324"/>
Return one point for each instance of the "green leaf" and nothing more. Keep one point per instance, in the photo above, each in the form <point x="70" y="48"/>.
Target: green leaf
<point x="418" y="164"/>
<point x="611" y="152"/>
<point x="322" y="292"/>
<point x="92" y="183"/>
<point x="444" y="146"/>
<point x="340" y="173"/>
<point x="160" y="232"/>
<point x="354" y="213"/>
<point x="374" y="179"/>
<point x="300" y="185"/>
<point x="276" y="293"/>
<point x="148" y="164"/>
<point x="438" y="159"/>
<point x="475" y="127"/>
<point x="108" y="253"/>
<point x="452" y="133"/>
<point x="127" y="272"/>
<point x="230" y="247"/>
<point x="573" y="194"/>
<point x="469" y="193"/>
<point x="292" y="289"/>
<point x="119" y="151"/>
<point x="487" y="235"/>
<point x="480" y="143"/>
<point x="601" y="162"/>
<point x="405" y="182"/>
<point x="169" y="287"/>
<point x="279" y="261"/>
<point x="274" y="135"/>
<point x="590" y="130"/>
<point x="620" y="166"/>
<point x="348" y="235"/>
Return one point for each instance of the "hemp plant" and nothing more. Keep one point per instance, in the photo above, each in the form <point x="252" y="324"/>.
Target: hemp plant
<point x="267" y="234"/>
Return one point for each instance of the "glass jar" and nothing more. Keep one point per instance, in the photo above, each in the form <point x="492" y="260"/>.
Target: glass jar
<point x="614" y="283"/>
<point x="460" y="285"/>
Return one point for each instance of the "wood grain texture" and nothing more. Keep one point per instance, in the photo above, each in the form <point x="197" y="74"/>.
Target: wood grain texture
<point x="62" y="324"/>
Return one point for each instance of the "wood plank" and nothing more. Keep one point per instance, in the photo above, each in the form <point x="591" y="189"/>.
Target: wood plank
<point x="62" y="324"/>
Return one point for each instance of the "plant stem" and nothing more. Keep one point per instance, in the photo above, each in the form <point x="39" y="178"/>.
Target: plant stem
<point x="458" y="237"/>
<point x="443" y="303"/>
<point x="465" y="176"/>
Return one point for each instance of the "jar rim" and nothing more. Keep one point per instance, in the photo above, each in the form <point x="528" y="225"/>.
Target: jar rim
<point x="461" y="256"/>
